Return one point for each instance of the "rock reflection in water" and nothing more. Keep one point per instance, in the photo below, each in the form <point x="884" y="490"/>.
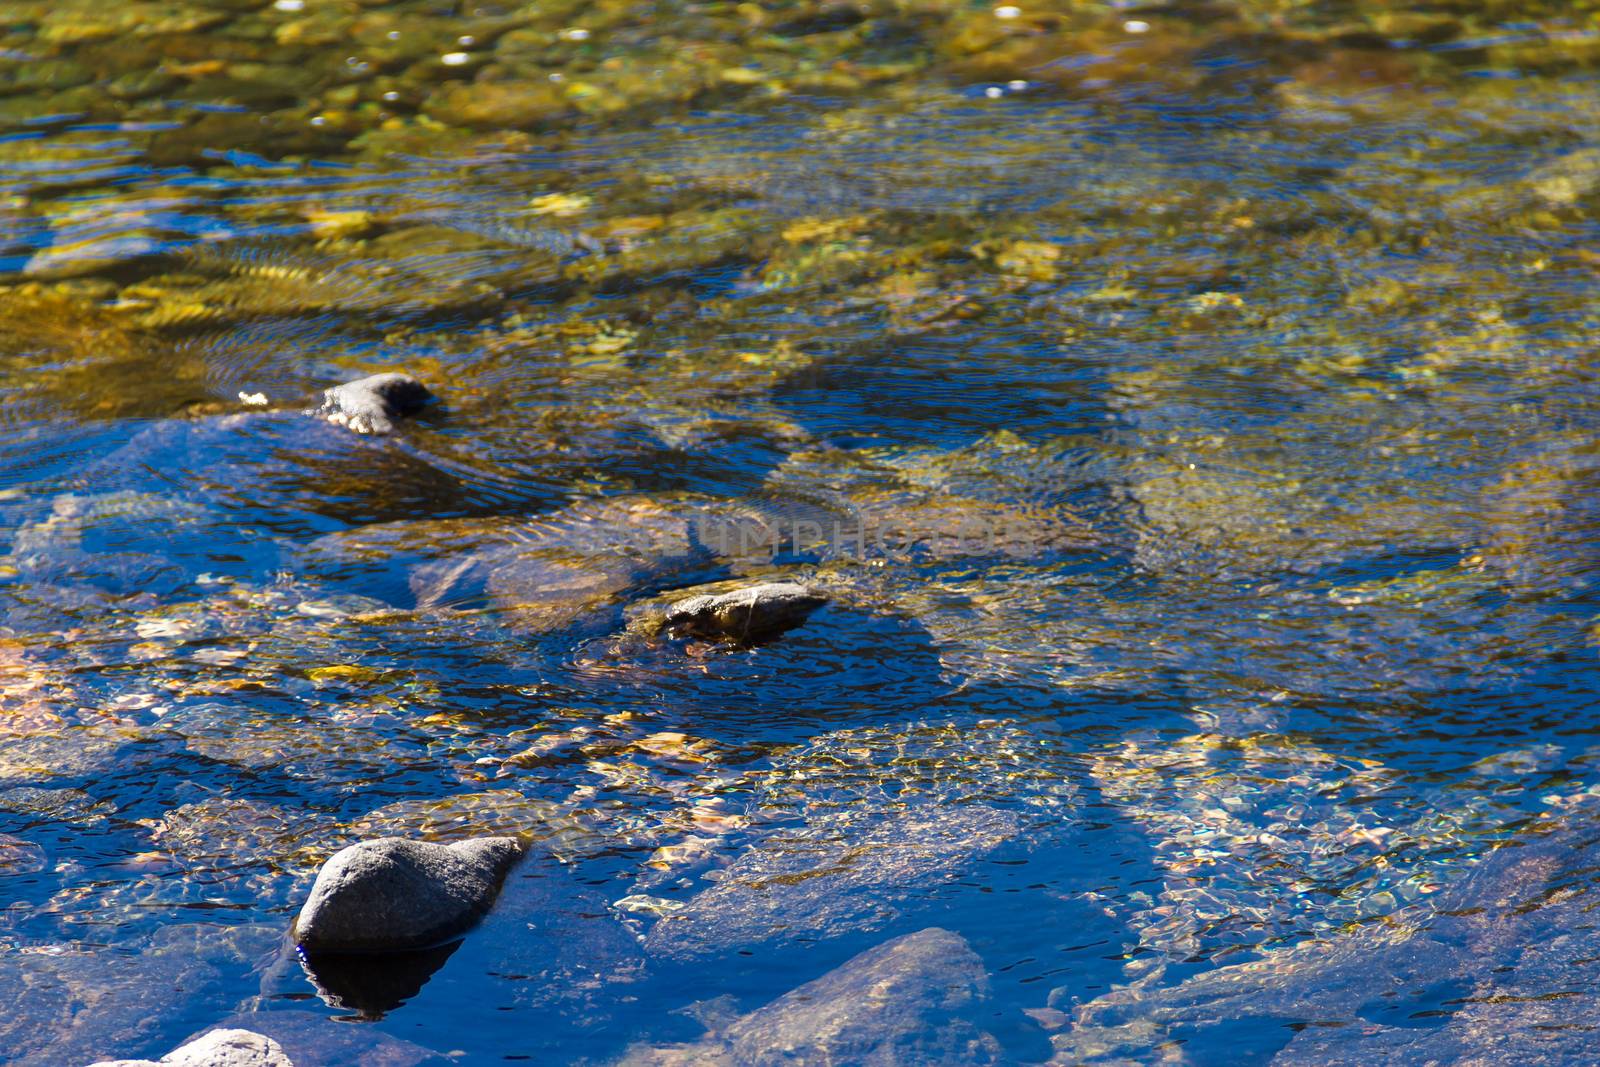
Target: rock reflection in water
<point x="372" y="985"/>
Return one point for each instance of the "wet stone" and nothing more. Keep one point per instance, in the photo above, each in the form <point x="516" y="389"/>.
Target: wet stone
<point x="372" y="405"/>
<point x="914" y="1000"/>
<point x="396" y="895"/>
<point x="499" y="105"/>
<point x="748" y="616"/>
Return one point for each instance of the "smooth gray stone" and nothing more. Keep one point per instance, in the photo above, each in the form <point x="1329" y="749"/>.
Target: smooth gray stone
<point x="372" y="404"/>
<point x="751" y="614"/>
<point x="910" y="1001"/>
<point x="393" y="895"/>
<point x="219" y="1048"/>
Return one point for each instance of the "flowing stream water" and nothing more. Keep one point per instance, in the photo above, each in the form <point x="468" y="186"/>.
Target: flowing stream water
<point x="1189" y="411"/>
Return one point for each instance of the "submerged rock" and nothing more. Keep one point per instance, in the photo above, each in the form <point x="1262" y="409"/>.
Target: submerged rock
<point x="553" y="570"/>
<point x="1501" y="973"/>
<point x="393" y="895"/>
<point x="999" y="498"/>
<point x="371" y="404"/>
<point x="912" y="1000"/>
<point x="69" y="1004"/>
<point x="752" y="614"/>
<point x="840" y="872"/>
<point x="260" y="738"/>
<point x="119" y="542"/>
<point x="1276" y="815"/>
<point x="35" y="805"/>
<point x="865" y="828"/>
<point x="893" y="768"/>
<point x="73" y="751"/>
<point x="219" y="1048"/>
<point x="245" y="838"/>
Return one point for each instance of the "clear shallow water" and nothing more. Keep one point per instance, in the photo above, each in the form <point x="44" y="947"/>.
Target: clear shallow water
<point x="1268" y="349"/>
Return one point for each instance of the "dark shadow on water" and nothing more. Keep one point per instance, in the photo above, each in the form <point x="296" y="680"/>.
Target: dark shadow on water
<point x="373" y="985"/>
<point x="550" y="976"/>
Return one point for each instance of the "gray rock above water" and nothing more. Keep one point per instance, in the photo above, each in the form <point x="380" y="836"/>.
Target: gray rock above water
<point x="392" y="895"/>
<point x="754" y="613"/>
<point x="372" y="404"/>
<point x="913" y="1000"/>
<point x="219" y="1048"/>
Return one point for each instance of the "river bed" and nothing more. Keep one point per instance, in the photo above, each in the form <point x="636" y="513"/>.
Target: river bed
<point x="1188" y="412"/>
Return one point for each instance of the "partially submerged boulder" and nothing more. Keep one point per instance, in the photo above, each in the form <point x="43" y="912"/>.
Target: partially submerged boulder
<point x="394" y="895"/>
<point x="912" y="1000"/>
<point x="372" y="404"/>
<point x="752" y="614"/>
<point x="219" y="1048"/>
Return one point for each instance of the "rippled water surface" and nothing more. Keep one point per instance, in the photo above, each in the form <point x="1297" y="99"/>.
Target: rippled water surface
<point x="1190" y="412"/>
